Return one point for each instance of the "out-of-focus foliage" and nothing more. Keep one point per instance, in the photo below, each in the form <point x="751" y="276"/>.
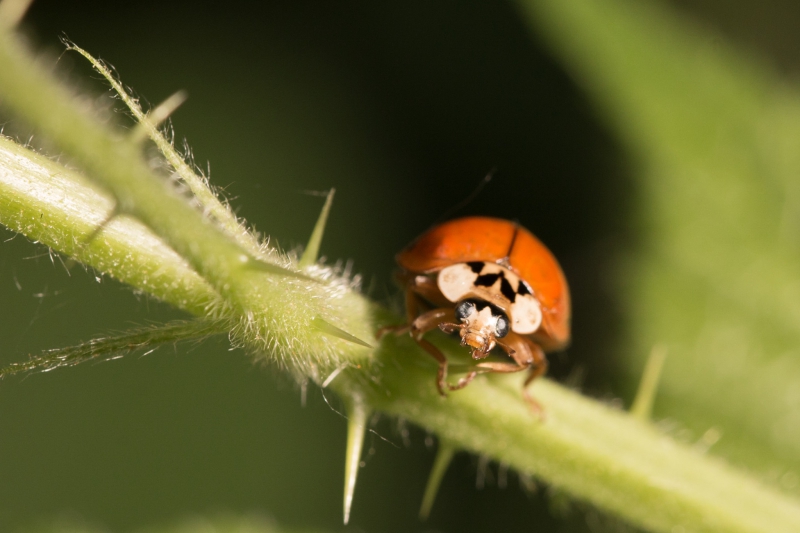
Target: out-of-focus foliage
<point x="219" y="524"/>
<point x="714" y="137"/>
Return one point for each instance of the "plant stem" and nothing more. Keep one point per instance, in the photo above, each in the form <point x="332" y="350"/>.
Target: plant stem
<point x="50" y="204"/>
<point x="251" y="290"/>
<point x="199" y="187"/>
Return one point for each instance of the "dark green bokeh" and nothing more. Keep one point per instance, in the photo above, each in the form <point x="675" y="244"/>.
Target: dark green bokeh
<point x="403" y="108"/>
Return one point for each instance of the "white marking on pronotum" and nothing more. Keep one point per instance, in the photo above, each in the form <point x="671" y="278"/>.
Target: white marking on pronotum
<point x="525" y="314"/>
<point x="458" y="282"/>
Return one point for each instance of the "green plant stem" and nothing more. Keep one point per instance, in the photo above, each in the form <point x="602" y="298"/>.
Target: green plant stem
<point x="590" y="451"/>
<point x="251" y="290"/>
<point x="50" y="204"/>
<point x="199" y="187"/>
<point x="119" y="167"/>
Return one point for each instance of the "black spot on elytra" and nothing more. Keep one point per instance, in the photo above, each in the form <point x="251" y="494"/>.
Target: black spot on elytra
<point x="476" y="266"/>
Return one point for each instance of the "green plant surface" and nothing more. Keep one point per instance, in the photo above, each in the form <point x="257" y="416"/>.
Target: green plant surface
<point x="217" y="524"/>
<point x="225" y="524"/>
<point x="588" y="450"/>
<point x="713" y="134"/>
<point x="51" y="204"/>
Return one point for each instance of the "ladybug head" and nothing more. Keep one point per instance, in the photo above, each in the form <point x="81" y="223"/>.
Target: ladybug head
<point x="480" y="325"/>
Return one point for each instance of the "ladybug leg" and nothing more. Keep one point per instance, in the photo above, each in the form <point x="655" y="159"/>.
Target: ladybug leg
<point x="402" y="328"/>
<point x="527" y="354"/>
<point x="520" y="363"/>
<point x="463" y="382"/>
<point x="421" y="291"/>
<point x="499" y="368"/>
<point x="425" y="323"/>
<point x="417" y="288"/>
<point x="441" y="374"/>
<point x="430" y="320"/>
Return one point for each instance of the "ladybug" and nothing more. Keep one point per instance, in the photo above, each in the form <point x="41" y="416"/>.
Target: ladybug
<point x="494" y="283"/>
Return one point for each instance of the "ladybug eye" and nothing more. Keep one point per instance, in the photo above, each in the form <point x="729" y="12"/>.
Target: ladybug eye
<point x="501" y="328"/>
<point x="464" y="310"/>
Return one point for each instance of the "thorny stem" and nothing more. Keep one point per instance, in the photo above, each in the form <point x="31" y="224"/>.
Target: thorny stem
<point x="584" y="448"/>
<point x="248" y="287"/>
<point x="200" y="187"/>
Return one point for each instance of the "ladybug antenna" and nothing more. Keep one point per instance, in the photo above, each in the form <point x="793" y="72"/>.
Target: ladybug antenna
<point x="466" y="201"/>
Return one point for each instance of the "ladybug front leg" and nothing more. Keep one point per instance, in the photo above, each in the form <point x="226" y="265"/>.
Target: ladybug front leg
<point x="527" y="354"/>
<point x="520" y="352"/>
<point x="466" y="380"/>
<point x="419" y="326"/>
<point x="419" y="290"/>
<point x="425" y="323"/>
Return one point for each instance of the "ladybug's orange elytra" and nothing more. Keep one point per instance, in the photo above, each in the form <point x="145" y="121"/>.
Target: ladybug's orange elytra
<point x="488" y="279"/>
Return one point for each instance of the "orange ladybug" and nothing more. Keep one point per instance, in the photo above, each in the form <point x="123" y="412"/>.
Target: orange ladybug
<point x="487" y="279"/>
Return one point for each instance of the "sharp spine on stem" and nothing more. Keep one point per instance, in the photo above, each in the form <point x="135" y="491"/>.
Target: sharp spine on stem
<point x="158" y="115"/>
<point x="311" y="252"/>
<point x="357" y="415"/>
<point x="444" y="455"/>
<point x="642" y="406"/>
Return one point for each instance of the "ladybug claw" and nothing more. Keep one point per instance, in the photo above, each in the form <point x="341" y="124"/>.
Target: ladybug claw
<point x="536" y="408"/>
<point x="463" y="382"/>
<point x="441" y="380"/>
<point x="509" y="350"/>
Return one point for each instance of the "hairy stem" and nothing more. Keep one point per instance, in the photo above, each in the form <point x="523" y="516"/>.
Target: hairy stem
<point x="199" y="187"/>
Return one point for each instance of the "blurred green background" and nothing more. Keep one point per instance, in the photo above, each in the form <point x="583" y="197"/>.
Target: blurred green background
<point x="403" y="107"/>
